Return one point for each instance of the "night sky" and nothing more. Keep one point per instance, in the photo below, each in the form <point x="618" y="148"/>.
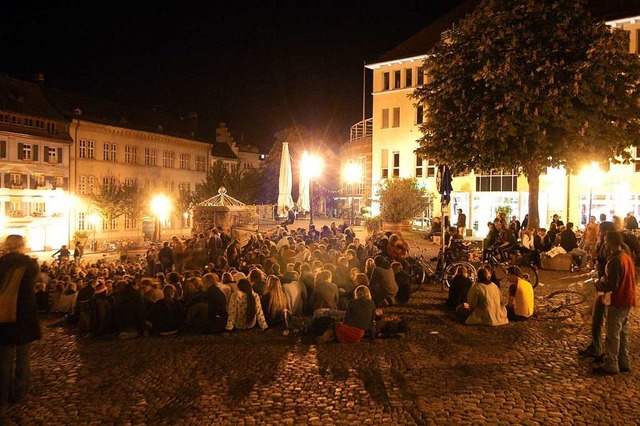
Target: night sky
<point x="258" y="65"/>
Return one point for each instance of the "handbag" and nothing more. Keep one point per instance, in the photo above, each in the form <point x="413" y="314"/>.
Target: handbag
<point x="9" y="295"/>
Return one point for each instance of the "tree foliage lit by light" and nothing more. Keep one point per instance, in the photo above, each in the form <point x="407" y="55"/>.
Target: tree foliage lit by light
<point x="528" y="84"/>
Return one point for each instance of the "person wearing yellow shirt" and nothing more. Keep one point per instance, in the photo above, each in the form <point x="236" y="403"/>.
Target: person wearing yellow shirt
<point x="520" y="303"/>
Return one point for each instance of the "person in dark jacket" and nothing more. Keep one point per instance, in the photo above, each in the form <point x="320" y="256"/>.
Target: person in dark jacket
<point x="101" y="308"/>
<point x="19" y="325"/>
<point x="460" y="286"/>
<point x="130" y="312"/>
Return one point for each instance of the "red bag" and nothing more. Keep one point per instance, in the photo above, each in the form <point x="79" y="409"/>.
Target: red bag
<point x="348" y="334"/>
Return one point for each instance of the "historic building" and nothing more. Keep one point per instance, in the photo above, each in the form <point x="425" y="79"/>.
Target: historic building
<point x="34" y="166"/>
<point x="395" y="132"/>
<point x="356" y="170"/>
<point x="115" y="144"/>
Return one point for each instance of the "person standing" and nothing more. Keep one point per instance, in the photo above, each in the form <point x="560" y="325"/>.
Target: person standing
<point x="78" y="252"/>
<point x="462" y="223"/>
<point x="19" y="325"/>
<point x="619" y="285"/>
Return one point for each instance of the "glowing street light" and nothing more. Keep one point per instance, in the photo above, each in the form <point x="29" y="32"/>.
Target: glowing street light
<point x="160" y="206"/>
<point x="352" y="174"/>
<point x="312" y="166"/>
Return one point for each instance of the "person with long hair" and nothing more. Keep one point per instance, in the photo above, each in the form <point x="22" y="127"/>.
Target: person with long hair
<point x="358" y="319"/>
<point x="245" y="308"/>
<point x="274" y="301"/>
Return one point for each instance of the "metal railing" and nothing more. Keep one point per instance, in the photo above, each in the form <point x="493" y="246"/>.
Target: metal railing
<point x="361" y="130"/>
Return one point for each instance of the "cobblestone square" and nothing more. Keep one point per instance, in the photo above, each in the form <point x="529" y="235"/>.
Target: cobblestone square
<point x="440" y="373"/>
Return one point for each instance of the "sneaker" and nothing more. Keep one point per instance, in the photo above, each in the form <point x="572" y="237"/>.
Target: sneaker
<point x="588" y="354"/>
<point x="601" y="371"/>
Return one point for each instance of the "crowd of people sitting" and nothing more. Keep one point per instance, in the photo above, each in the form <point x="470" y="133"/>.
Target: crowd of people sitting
<point x="323" y="281"/>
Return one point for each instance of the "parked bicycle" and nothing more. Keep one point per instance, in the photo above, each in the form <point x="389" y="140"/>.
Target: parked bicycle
<point x="108" y="246"/>
<point x="423" y="271"/>
<point x="558" y="305"/>
<point x="529" y="270"/>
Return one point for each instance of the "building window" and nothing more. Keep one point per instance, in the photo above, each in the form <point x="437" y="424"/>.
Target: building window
<point x="40" y="181"/>
<point x="384" y="162"/>
<point x="496" y="181"/>
<point x="200" y="163"/>
<point x="385" y="118"/>
<point x="150" y="157"/>
<point x="431" y="169"/>
<point x="52" y="154"/>
<point x="131" y="154"/>
<point x="129" y="222"/>
<point x="27" y="152"/>
<point x="91" y="184"/>
<point x="59" y="182"/>
<point x="396" y="164"/>
<point x="420" y="76"/>
<point x="419" y="166"/>
<point x="168" y="159"/>
<point x="397" y="79"/>
<point x="110" y="152"/>
<point x="385" y="81"/>
<point x="185" y="161"/>
<point x="3" y="148"/>
<point x="396" y="117"/>
<point x="419" y="114"/>
<point x="91" y="154"/>
<point x="408" y="77"/>
<point x="16" y="179"/>
<point x="130" y="182"/>
<point x="86" y="149"/>
<point x="82" y="185"/>
<point x="81" y="221"/>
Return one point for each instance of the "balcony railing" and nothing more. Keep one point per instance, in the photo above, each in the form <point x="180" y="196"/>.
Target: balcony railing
<point x="361" y="130"/>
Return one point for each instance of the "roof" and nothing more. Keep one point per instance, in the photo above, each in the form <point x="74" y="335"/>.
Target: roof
<point x="26" y="98"/>
<point x="75" y="106"/>
<point x="423" y="41"/>
<point x="222" y="149"/>
<point x="221" y="200"/>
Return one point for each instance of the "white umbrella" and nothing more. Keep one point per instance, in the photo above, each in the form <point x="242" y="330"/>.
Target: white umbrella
<point x="286" y="180"/>
<point x="303" y="195"/>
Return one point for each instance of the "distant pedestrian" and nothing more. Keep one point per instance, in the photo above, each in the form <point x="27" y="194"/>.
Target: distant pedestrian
<point x="462" y="223"/>
<point x="19" y="325"/>
<point x="78" y="252"/>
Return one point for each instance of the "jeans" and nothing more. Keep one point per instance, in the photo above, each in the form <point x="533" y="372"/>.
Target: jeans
<point x="579" y="257"/>
<point x="616" y="346"/>
<point x="597" y="321"/>
<point x="17" y="377"/>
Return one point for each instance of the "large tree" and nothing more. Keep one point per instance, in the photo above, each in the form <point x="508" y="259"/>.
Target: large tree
<point x="530" y="84"/>
<point x="240" y="184"/>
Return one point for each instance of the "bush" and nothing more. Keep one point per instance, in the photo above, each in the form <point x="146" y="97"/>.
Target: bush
<point x="401" y="199"/>
<point x="373" y="224"/>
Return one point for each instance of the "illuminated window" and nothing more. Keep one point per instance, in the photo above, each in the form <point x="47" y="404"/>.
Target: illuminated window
<point x="396" y="117"/>
<point x="396" y="79"/>
<point x="40" y="181"/>
<point x="81" y="221"/>
<point x="396" y="164"/>
<point x="82" y="185"/>
<point x="408" y="77"/>
<point x="385" y="118"/>
<point x="384" y="162"/>
<point x="185" y="161"/>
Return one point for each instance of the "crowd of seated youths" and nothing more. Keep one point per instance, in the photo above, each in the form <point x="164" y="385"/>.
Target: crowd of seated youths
<point x="297" y="280"/>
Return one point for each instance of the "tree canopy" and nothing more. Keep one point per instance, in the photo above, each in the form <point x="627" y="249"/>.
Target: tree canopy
<point x="240" y="184"/>
<point x="401" y="199"/>
<point x="530" y="84"/>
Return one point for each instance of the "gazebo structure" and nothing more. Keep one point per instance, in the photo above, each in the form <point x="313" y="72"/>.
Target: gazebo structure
<point x="221" y="210"/>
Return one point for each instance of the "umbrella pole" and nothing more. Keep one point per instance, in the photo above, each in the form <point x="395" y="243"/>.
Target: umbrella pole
<point x="442" y="254"/>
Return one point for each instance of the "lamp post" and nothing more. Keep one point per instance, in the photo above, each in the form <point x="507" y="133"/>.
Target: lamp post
<point x="352" y="174"/>
<point x="312" y="165"/>
<point x="185" y="215"/>
<point x="94" y="219"/>
<point x="160" y="206"/>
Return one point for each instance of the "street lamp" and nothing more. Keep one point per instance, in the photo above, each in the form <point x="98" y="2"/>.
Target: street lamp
<point x="591" y="174"/>
<point x="94" y="219"/>
<point x="312" y="165"/>
<point x="160" y="206"/>
<point x="185" y="215"/>
<point x="352" y="174"/>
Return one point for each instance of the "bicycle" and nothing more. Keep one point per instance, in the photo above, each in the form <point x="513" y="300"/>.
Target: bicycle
<point x="422" y="270"/>
<point x="529" y="270"/>
<point x="107" y="246"/>
<point x="559" y="304"/>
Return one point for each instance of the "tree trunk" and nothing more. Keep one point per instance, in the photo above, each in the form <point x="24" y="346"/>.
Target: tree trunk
<point x="533" y="178"/>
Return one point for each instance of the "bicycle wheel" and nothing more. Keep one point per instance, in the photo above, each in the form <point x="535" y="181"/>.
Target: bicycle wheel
<point x="566" y="298"/>
<point x="556" y="313"/>
<point x="417" y="276"/>
<point x="530" y="274"/>
<point x="451" y="271"/>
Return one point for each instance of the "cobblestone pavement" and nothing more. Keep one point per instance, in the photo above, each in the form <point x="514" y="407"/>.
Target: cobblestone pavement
<point x="441" y="373"/>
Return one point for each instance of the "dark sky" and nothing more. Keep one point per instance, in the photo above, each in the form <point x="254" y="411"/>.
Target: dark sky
<point x="258" y="65"/>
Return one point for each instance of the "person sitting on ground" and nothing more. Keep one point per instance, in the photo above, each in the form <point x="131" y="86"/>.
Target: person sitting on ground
<point x="42" y="298"/>
<point x="460" y="286"/>
<point x="102" y="311"/>
<point x="325" y="292"/>
<point x="274" y="302"/>
<point x="245" y="308"/>
<point x="483" y="306"/>
<point x="569" y="242"/>
<point x="383" y="283"/>
<point x="358" y="319"/>
<point x="67" y="302"/>
<point x="296" y="293"/>
<point x="520" y="304"/>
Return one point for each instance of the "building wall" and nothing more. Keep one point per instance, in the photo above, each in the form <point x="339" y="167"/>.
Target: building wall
<point x="166" y="176"/>
<point x="34" y="188"/>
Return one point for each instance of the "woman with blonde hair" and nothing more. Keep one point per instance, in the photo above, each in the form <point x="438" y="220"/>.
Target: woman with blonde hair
<point x="274" y="302"/>
<point x="369" y="265"/>
<point x="361" y="312"/>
